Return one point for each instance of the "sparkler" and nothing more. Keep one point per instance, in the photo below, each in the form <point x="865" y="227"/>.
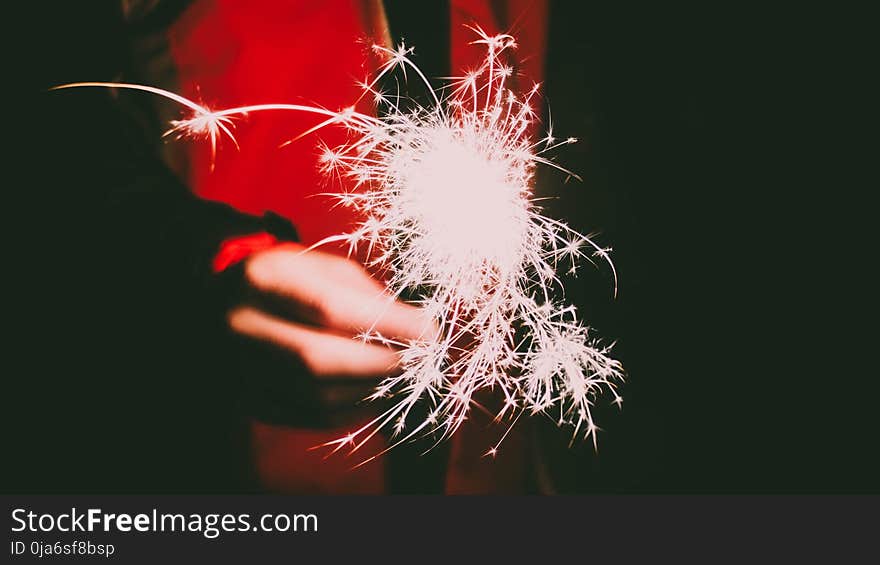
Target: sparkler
<point x="445" y="191"/>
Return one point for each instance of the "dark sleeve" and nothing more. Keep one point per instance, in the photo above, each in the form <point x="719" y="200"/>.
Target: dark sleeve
<point x="103" y="186"/>
<point x="95" y="154"/>
<point x="125" y="379"/>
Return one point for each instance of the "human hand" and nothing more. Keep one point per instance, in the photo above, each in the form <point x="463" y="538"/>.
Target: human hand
<point x="312" y="304"/>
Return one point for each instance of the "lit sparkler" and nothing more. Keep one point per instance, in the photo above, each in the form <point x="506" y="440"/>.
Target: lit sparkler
<point x="445" y="192"/>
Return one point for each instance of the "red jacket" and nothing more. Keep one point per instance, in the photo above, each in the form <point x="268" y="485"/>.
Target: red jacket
<point x="230" y="53"/>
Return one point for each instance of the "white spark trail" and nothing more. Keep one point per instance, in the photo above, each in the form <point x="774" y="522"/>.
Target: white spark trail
<point x="450" y="219"/>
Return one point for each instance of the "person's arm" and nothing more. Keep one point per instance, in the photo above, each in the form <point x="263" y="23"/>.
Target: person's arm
<point x="133" y="209"/>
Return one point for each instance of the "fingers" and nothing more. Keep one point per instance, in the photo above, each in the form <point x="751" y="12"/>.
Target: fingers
<point x="323" y="354"/>
<point x="352" y="310"/>
<point x="335" y="293"/>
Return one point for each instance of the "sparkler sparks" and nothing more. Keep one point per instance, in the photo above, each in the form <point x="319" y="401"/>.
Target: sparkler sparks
<point x="445" y="191"/>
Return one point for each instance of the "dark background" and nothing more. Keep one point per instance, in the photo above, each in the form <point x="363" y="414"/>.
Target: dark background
<point x="710" y="145"/>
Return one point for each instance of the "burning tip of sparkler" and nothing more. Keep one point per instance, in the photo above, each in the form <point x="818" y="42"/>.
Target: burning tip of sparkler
<point x="446" y="193"/>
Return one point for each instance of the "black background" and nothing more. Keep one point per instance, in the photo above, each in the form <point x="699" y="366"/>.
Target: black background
<point x="710" y="135"/>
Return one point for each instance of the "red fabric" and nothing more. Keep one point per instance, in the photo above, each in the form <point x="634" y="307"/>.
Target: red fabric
<point x="237" y="249"/>
<point x="232" y="53"/>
